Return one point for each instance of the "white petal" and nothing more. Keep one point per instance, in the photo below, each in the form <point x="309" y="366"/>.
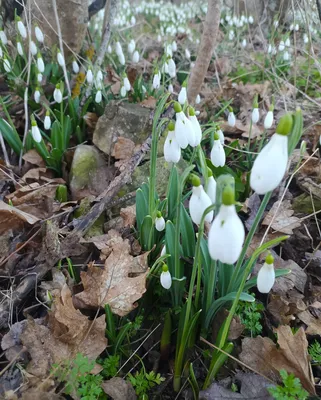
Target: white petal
<point x="221" y="136"/>
<point x="268" y="121"/>
<point x="40" y="65"/>
<point x="75" y="67"/>
<point x="47" y="122"/>
<point x="89" y="76"/>
<point x="39" y="34"/>
<point x="98" y="97"/>
<point x="231" y="119"/>
<point x="172" y="150"/>
<point x="135" y="57"/>
<point x="255" y="115"/>
<point x="197" y="129"/>
<point x="211" y="189"/>
<point x="160" y="224"/>
<point x="57" y="95"/>
<point x="22" y="29"/>
<point x="180" y="131"/>
<point x="166" y="280"/>
<point x="36" y="134"/>
<point x="182" y="96"/>
<point x="127" y="84"/>
<point x="218" y="156"/>
<point x="265" y="278"/>
<point x="198" y="202"/>
<point x="270" y="165"/>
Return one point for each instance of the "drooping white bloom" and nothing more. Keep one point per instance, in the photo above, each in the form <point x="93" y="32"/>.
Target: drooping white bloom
<point x="198" y="99"/>
<point x="123" y="91"/>
<point x="251" y="19"/>
<point x="231" y="119"/>
<point x="266" y="276"/>
<point x="170" y="88"/>
<point x="281" y="45"/>
<point x="171" y="68"/>
<point x="166" y="279"/>
<point x="268" y="120"/>
<point x="255" y="115"/>
<point x="19" y="49"/>
<point x="182" y="96"/>
<point x="163" y="252"/>
<point x="197" y="129"/>
<point x="269" y="49"/>
<point x="121" y="58"/>
<point x="270" y="165"/>
<point x="40" y="64"/>
<point x="33" y="48"/>
<point x="156" y="81"/>
<point x="286" y="56"/>
<point x="75" y="67"/>
<point x="1" y="52"/>
<point x="39" y="34"/>
<point x="57" y="95"/>
<point x="244" y="43"/>
<point x="98" y="96"/>
<point x="131" y="46"/>
<point x="39" y="77"/>
<point x="198" y="203"/>
<point x="118" y="48"/>
<point x="172" y="150"/>
<point x="221" y="136"/>
<point x="187" y="54"/>
<point x="305" y="38"/>
<point x="226" y="235"/>
<point x="211" y="189"/>
<point x="36" y="135"/>
<point x="291" y="27"/>
<point x="296" y="28"/>
<point x="3" y="37"/>
<point x="89" y="76"/>
<point x="159" y="223"/>
<point x="60" y="59"/>
<point x="109" y="49"/>
<point x="47" y="121"/>
<point x="37" y="96"/>
<point x="22" y="29"/>
<point x="133" y="20"/>
<point x="174" y="45"/>
<point x="165" y="68"/>
<point x="126" y="84"/>
<point x="218" y="156"/>
<point x="184" y="131"/>
<point x="6" y="65"/>
<point x="276" y="24"/>
<point x="287" y="42"/>
<point x="135" y="57"/>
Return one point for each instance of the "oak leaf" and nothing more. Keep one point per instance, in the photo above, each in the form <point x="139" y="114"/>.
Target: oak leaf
<point x="284" y="221"/>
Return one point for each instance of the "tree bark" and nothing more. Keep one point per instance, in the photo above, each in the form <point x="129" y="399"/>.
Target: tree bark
<point x="207" y="46"/>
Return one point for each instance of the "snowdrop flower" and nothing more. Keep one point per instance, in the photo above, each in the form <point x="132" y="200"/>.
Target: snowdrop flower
<point x="244" y="43"/>
<point x="165" y="278"/>
<point x="276" y="24"/>
<point x="174" y="46"/>
<point x="187" y="54"/>
<point x="163" y="252"/>
<point x="221" y="136"/>
<point x="60" y="59"/>
<point x="99" y="76"/>
<point x="21" y="28"/>
<point x="1" y="52"/>
<point x="287" y="42"/>
<point x="231" y="118"/>
<point x="226" y="235"/>
<point x="199" y="201"/>
<point x="266" y="275"/>
<point x="36" y="135"/>
<point x="170" y="88"/>
<point x="47" y="121"/>
<point x="131" y="46"/>
<point x="211" y="186"/>
<point x="218" y="156"/>
<point x="251" y="19"/>
<point x="121" y="58"/>
<point x="98" y="97"/>
<point x="135" y="57"/>
<point x="182" y="96"/>
<point x="37" y="96"/>
<point x="268" y="120"/>
<point x="255" y="113"/>
<point x="171" y="68"/>
<point x="270" y="165"/>
<point x="291" y="27"/>
<point x="3" y="37"/>
<point x="133" y="20"/>
<point x="57" y="94"/>
<point x="89" y="76"/>
<point x="303" y="148"/>
<point x="159" y="222"/>
<point x="109" y="49"/>
<point x="6" y="65"/>
<point x="198" y="99"/>
<point x="33" y="48"/>
<point x="281" y="45"/>
<point x="19" y="49"/>
<point x="75" y="67"/>
<point x="196" y="126"/>
<point x="172" y="150"/>
<point x="126" y="83"/>
<point x="269" y="49"/>
<point x="123" y="91"/>
<point x="184" y="132"/>
<point x="118" y="48"/>
<point x="296" y="27"/>
<point x="165" y="68"/>
<point x="40" y="64"/>
<point x="156" y="80"/>
<point x="39" y="77"/>
<point x="286" y="56"/>
<point x="39" y="34"/>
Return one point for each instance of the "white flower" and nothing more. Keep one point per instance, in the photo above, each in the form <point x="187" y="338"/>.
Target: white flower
<point x="187" y="54"/>
<point x="135" y="57"/>
<point x="60" y="59"/>
<point x="171" y="68"/>
<point x="231" y="119"/>
<point x="291" y="27"/>
<point x="276" y="23"/>
<point x="33" y="48"/>
<point x="131" y="46"/>
<point x="3" y="37"/>
<point x="270" y="165"/>
<point x="281" y="45"/>
<point x="156" y="81"/>
<point x="266" y="277"/>
<point x="268" y="120"/>
<point x="89" y="76"/>
<point x="170" y="88"/>
<point x="57" y="95"/>
<point x="305" y="38"/>
<point x="160" y="224"/>
<point x="286" y="56"/>
<point x="75" y="67"/>
<point x="172" y="150"/>
<point x="174" y="46"/>
<point x="182" y="96"/>
<point x="197" y="129"/>
<point x="19" y="48"/>
<point x="198" y="203"/>
<point x="47" y="122"/>
<point x="184" y="131"/>
<point x="166" y="279"/>
<point x="126" y="84"/>
<point x="244" y="43"/>
<point x="109" y="49"/>
<point x="269" y="49"/>
<point x="6" y="65"/>
<point x="39" y="34"/>
<point x="1" y="52"/>
<point x="133" y="20"/>
<point x="121" y="58"/>
<point x="211" y="189"/>
<point x="99" y="75"/>
<point x="163" y="252"/>
<point x="37" y="96"/>
<point x="123" y="91"/>
<point x="98" y="96"/>
<point x="39" y="77"/>
<point x="255" y="115"/>
<point x="296" y="28"/>
<point x="287" y="42"/>
<point x="35" y="132"/>
<point x="22" y="29"/>
<point x="251" y="19"/>
<point x="118" y="48"/>
<point x="221" y="136"/>
<point x="218" y="156"/>
<point x="40" y="65"/>
<point x="198" y="99"/>
<point x="226" y="235"/>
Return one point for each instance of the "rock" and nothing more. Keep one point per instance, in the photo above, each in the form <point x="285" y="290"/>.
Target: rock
<point x="89" y="174"/>
<point x="131" y="121"/>
<point x="303" y="204"/>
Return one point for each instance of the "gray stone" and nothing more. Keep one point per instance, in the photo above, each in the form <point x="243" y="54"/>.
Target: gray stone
<point x="131" y="121"/>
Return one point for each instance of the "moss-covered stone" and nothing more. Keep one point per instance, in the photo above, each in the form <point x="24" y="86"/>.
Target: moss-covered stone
<point x="303" y="204"/>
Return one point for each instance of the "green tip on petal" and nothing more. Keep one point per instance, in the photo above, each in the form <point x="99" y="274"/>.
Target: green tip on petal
<point x="165" y="268"/>
<point x="209" y="172"/>
<point x="271" y="108"/>
<point x="47" y="113"/>
<point x="195" y="180"/>
<point x="285" y="125"/>
<point x="177" y="107"/>
<point x="33" y="123"/>
<point x="184" y="84"/>
<point x="171" y="126"/>
<point x="159" y="214"/>
<point x="269" y="259"/>
<point x="58" y="86"/>
<point x="191" y="111"/>
<point x="255" y="102"/>
<point x="230" y="109"/>
<point x="228" y="196"/>
<point x="216" y="136"/>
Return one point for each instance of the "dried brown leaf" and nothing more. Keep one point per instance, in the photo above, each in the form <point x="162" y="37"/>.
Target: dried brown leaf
<point x="150" y="102"/>
<point x="13" y="218"/>
<point x="123" y="149"/>
<point x="33" y="157"/>
<point x="284" y="221"/>
<point x="264" y="356"/>
<point x="129" y="215"/>
<point x="119" y="389"/>
<point x="313" y="324"/>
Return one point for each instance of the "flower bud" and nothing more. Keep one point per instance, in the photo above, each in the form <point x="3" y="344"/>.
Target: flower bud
<point x="165" y="277"/>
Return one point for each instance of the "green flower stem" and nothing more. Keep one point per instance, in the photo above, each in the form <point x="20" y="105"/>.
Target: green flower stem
<point x="249" y="139"/>
<point x="210" y="285"/>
